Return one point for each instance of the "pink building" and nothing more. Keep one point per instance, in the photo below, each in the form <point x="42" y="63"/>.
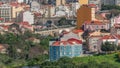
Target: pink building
<point x="115" y="29"/>
<point x="95" y="25"/>
<point x="115" y="20"/>
<point x="92" y="42"/>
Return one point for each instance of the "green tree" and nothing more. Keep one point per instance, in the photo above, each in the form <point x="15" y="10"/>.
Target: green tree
<point x="45" y="42"/>
<point x="64" y="60"/>
<point x="62" y="21"/>
<point x="109" y="7"/>
<point x="5" y="59"/>
<point x="118" y="47"/>
<point x="12" y="51"/>
<point x="107" y="47"/>
<point x="27" y="35"/>
<point x="107" y="65"/>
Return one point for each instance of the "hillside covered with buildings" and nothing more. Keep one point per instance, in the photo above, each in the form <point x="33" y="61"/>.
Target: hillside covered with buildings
<point x="59" y="33"/>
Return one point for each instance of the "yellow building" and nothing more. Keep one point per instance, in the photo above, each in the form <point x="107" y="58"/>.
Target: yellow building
<point x="83" y="2"/>
<point x="60" y="2"/>
<point x="16" y="11"/>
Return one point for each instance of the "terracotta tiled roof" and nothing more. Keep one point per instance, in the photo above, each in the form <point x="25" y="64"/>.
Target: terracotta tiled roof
<point x="76" y="31"/>
<point x="111" y="37"/>
<point x="99" y="16"/>
<point x="70" y="41"/>
<point x="6" y="27"/>
<point x="37" y="14"/>
<point x="14" y="4"/>
<point x="92" y="5"/>
<point x="57" y="43"/>
<point x="24" y="23"/>
<point x="3" y="46"/>
<point x="117" y="25"/>
<point x="1" y="3"/>
<point x="1" y="18"/>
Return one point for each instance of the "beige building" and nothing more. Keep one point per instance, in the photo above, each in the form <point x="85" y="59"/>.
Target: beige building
<point x="16" y="9"/>
<point x="60" y="2"/>
<point x="83" y="2"/>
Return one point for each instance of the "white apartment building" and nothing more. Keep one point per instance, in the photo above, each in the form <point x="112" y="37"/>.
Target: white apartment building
<point x="6" y="12"/>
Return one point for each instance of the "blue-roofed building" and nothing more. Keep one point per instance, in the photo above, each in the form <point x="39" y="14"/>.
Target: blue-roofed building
<point x="70" y="48"/>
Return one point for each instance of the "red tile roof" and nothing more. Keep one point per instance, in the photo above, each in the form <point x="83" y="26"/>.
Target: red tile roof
<point x="110" y="37"/>
<point x="37" y="14"/>
<point x="1" y="3"/>
<point x="70" y="41"/>
<point x="24" y="23"/>
<point x="92" y="5"/>
<point x="117" y="25"/>
<point x="76" y="31"/>
<point x="1" y="18"/>
<point x="3" y="46"/>
<point x="5" y="27"/>
<point x="14" y="4"/>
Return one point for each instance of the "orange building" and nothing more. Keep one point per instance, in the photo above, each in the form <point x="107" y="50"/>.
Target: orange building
<point x="85" y="13"/>
<point x="83" y="2"/>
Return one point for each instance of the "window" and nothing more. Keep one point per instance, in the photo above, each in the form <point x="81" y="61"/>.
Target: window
<point x="96" y="27"/>
<point x="94" y="47"/>
<point x="102" y="27"/>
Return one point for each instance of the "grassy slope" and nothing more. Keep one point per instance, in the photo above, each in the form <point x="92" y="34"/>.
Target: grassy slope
<point x="112" y="58"/>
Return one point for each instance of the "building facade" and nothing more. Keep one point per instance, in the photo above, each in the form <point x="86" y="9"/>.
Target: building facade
<point x="70" y="48"/>
<point x="60" y="2"/>
<point x="95" y="25"/>
<point x="7" y="1"/>
<point x="85" y="13"/>
<point x="112" y="39"/>
<point x="96" y="2"/>
<point x="16" y="9"/>
<point x="117" y="2"/>
<point x="35" y="6"/>
<point x="115" y="29"/>
<point x="28" y="17"/>
<point x="108" y="2"/>
<point x="92" y="42"/>
<point x="115" y="20"/>
<point x="6" y="12"/>
<point x="82" y="2"/>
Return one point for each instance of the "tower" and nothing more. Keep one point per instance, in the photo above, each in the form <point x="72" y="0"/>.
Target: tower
<point x="85" y="13"/>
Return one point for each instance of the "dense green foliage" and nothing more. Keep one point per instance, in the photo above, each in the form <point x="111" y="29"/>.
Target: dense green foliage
<point x="62" y="21"/>
<point x="108" y="47"/>
<point x="15" y="59"/>
<point x="109" y="7"/>
<point x="45" y="42"/>
<point x="20" y="49"/>
<point x="103" y="61"/>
